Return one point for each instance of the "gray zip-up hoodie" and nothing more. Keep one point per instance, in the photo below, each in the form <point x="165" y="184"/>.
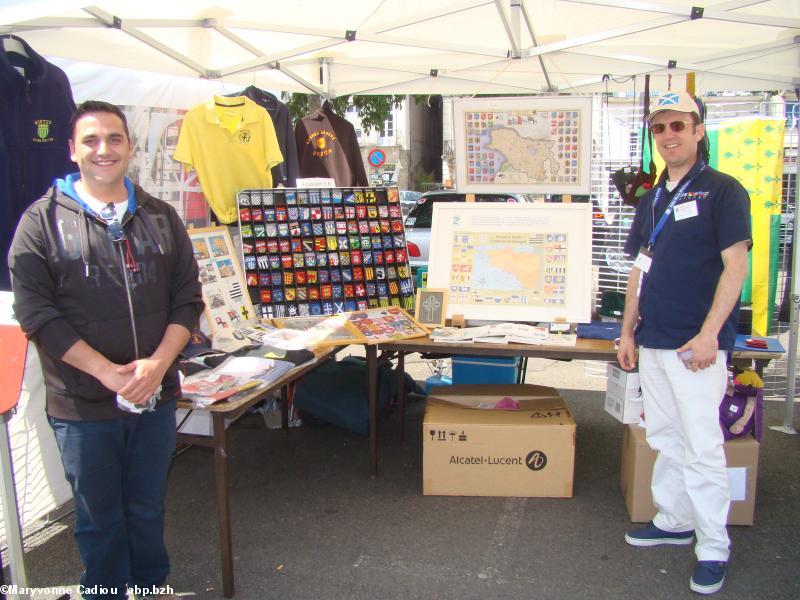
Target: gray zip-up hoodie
<point x="69" y="283"/>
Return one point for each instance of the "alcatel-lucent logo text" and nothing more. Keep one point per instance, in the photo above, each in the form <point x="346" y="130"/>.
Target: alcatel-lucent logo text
<point x="536" y="460"/>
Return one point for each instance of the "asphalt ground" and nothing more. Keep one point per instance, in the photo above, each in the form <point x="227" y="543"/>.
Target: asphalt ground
<point x="309" y="523"/>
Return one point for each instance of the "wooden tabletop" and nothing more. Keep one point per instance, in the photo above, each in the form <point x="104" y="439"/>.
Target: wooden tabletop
<point x="584" y="349"/>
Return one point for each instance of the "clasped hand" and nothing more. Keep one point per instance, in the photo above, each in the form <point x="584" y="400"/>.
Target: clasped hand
<point x="136" y="381"/>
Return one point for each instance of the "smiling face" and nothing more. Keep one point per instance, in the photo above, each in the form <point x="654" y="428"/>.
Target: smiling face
<point x="678" y="148"/>
<point x="101" y="149"/>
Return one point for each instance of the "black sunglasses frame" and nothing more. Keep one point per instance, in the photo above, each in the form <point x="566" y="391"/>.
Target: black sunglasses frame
<point x="115" y="230"/>
<point x="674" y="126"/>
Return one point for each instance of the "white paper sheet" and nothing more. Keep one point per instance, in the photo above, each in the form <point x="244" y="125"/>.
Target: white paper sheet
<point x="737" y="481"/>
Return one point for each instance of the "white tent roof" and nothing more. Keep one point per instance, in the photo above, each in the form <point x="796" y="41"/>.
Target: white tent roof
<point x="337" y="47"/>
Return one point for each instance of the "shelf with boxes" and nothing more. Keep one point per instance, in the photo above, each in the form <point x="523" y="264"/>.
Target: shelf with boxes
<point x="324" y="251"/>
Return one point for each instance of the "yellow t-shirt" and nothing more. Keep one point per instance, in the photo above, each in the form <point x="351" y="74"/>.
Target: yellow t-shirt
<point x="232" y="145"/>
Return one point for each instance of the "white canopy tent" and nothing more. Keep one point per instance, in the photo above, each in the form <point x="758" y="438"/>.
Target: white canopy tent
<point x="427" y="46"/>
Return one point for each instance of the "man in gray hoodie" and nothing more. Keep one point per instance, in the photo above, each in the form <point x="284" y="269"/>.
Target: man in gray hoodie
<point x="106" y="285"/>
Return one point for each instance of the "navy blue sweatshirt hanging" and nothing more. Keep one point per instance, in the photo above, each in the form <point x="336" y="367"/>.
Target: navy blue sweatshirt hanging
<point x="36" y="105"/>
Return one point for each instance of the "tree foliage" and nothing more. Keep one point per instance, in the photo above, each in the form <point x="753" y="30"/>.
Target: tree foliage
<point x="373" y="111"/>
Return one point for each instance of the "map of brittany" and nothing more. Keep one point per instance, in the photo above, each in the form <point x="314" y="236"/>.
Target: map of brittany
<point x="526" y="158"/>
<point x="523" y="147"/>
<point x="524" y="265"/>
<point x="512" y="269"/>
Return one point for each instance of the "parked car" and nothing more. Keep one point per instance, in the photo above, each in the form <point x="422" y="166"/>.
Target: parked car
<point x="418" y="222"/>
<point x="408" y="199"/>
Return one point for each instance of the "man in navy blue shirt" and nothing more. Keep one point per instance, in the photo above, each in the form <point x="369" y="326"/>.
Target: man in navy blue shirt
<point x="690" y="239"/>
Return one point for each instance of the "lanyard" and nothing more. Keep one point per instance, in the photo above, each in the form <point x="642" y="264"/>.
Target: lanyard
<point x="657" y="227"/>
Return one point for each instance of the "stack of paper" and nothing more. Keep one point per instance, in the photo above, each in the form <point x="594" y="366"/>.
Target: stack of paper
<point x="458" y="334"/>
<point x="236" y="374"/>
<point x="562" y="339"/>
<point x="502" y="333"/>
<point x="209" y="387"/>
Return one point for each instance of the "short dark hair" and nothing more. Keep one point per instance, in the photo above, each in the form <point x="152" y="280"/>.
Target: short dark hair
<point x="94" y="106"/>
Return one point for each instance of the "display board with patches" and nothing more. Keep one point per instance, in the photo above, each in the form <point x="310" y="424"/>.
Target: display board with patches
<point x="324" y="251"/>
<point x="220" y="273"/>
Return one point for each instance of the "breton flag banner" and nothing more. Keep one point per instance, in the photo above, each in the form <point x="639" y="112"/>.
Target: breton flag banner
<point x="751" y="150"/>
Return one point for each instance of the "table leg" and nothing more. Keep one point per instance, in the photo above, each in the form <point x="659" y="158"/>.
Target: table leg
<point x="223" y="502"/>
<point x="523" y="369"/>
<point x="401" y="392"/>
<point x="372" y="385"/>
<point x="285" y="408"/>
<point x="760" y="364"/>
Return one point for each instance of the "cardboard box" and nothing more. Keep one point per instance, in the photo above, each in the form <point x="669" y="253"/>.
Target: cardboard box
<point x="198" y="423"/>
<point x="636" y="472"/>
<point x="623" y="395"/>
<point x="470" y="451"/>
<point x="485" y="369"/>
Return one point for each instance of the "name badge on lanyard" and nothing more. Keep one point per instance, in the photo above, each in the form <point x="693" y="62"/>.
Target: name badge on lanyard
<point x="643" y="260"/>
<point x="687" y="210"/>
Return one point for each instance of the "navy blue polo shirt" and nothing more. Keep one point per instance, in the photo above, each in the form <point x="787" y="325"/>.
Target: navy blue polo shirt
<point x="677" y="293"/>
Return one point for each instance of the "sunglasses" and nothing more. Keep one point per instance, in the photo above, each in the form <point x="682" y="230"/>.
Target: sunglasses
<point x="676" y="126"/>
<point x="115" y="231"/>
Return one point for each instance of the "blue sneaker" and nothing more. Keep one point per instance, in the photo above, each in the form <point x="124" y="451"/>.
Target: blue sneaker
<point x="708" y="577"/>
<point x="650" y="535"/>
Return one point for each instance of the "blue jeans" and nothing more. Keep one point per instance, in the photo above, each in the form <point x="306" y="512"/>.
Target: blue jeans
<point x="118" y="472"/>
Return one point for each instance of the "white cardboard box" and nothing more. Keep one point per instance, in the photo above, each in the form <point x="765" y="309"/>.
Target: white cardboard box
<point x="623" y="395"/>
<point x="198" y="423"/>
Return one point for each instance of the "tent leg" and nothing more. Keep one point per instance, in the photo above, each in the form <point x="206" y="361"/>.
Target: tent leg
<point x="16" y="556"/>
<point x="788" y="415"/>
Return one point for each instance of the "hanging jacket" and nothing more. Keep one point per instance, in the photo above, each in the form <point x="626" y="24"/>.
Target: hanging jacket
<point x="327" y="146"/>
<point x="70" y="283"/>
<point x="284" y="173"/>
<point x="35" y="108"/>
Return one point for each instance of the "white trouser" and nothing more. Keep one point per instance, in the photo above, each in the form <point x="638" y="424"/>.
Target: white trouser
<point x="690" y="479"/>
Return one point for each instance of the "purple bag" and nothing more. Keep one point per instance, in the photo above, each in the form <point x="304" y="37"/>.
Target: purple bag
<point x="733" y="407"/>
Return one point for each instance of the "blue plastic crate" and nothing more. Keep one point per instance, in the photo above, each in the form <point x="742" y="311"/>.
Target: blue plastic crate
<point x="485" y="369"/>
<point x="436" y="381"/>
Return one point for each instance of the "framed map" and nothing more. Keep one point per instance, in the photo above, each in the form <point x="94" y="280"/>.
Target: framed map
<point x="536" y="144"/>
<point x="224" y="292"/>
<point x="513" y="262"/>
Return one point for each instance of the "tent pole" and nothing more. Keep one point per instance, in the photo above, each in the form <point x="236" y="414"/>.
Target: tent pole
<point x="788" y="414"/>
<point x="16" y="554"/>
<point x="794" y="319"/>
<point x="529" y="25"/>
